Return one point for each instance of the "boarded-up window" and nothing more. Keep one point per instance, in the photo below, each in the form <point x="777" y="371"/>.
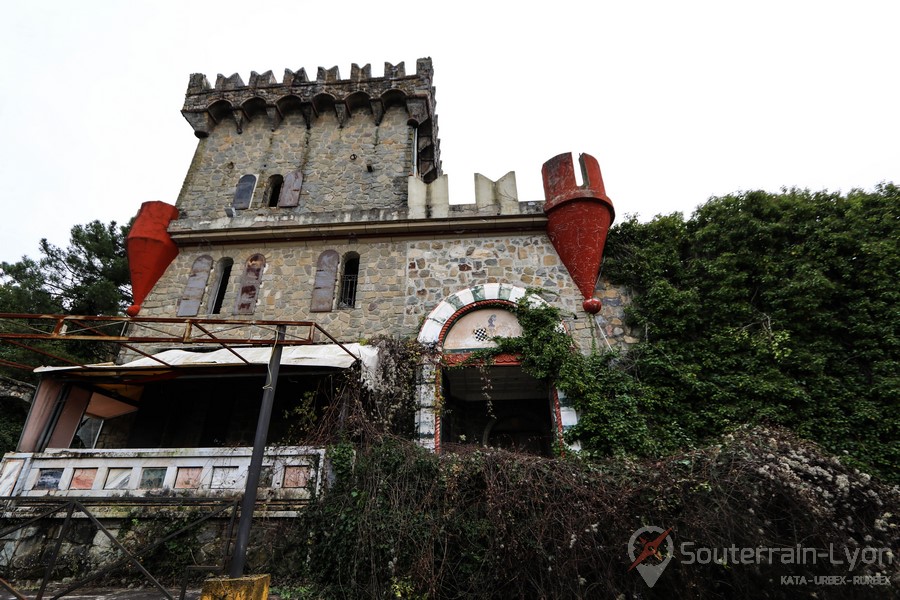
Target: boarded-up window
<point x="196" y="285"/>
<point x="273" y="191"/>
<point x="290" y="191"/>
<point x="326" y="275"/>
<point x="349" y="279"/>
<point x="243" y="193"/>
<point x="250" y="280"/>
<point x="220" y="286"/>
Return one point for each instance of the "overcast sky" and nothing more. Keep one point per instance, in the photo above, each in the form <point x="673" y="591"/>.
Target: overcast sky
<point x="679" y="101"/>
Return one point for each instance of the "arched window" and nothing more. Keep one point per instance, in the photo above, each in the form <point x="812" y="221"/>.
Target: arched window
<point x="189" y="305"/>
<point x="273" y="190"/>
<point x="349" y="280"/>
<point x="220" y="286"/>
<point x="243" y="193"/>
<point x="250" y="280"/>
<point x="326" y="274"/>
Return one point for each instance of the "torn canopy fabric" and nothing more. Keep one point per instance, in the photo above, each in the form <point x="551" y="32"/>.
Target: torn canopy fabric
<point x="319" y="355"/>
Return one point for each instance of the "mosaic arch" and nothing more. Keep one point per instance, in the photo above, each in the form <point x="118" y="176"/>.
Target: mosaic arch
<point x="434" y="331"/>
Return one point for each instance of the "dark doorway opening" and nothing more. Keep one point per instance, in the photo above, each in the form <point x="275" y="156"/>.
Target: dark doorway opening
<point x="497" y="406"/>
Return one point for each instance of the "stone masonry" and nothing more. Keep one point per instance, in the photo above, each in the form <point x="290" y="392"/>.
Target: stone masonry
<point x="371" y="184"/>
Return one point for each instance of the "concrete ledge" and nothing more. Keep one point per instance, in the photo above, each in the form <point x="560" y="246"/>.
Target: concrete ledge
<point x="251" y="587"/>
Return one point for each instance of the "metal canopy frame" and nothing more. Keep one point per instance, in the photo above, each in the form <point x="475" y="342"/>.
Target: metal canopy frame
<point x="274" y="334"/>
<point x="18" y="328"/>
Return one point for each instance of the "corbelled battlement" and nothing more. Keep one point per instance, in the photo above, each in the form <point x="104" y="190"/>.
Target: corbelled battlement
<point x="232" y="100"/>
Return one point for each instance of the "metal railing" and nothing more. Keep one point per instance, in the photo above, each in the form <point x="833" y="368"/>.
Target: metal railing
<point x="74" y="508"/>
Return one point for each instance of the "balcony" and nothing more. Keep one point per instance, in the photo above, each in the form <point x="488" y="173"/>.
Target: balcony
<point x="294" y="474"/>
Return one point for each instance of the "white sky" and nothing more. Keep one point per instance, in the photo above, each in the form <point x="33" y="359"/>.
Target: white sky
<point x="679" y="101"/>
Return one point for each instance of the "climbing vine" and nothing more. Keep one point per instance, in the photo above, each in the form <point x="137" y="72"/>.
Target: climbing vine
<point x="770" y="308"/>
<point x="615" y="410"/>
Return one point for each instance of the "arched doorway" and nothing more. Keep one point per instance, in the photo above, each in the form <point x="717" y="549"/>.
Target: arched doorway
<point x="495" y="405"/>
<point x="498" y="404"/>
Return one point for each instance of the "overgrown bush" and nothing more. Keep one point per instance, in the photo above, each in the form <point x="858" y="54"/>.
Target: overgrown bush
<point x="481" y="523"/>
<point x="769" y="308"/>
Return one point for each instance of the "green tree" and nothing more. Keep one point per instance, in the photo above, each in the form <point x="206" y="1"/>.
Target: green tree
<point x="89" y="277"/>
<point x="778" y="308"/>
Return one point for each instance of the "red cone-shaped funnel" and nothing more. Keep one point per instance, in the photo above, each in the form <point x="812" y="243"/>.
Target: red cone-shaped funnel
<point x="150" y="249"/>
<point x="578" y="219"/>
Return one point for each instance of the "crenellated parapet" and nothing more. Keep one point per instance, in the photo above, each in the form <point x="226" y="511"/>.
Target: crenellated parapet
<point x="230" y="99"/>
<point x="492" y="199"/>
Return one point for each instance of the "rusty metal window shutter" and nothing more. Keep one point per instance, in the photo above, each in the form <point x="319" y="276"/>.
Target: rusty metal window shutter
<point x="243" y="193"/>
<point x="250" y="280"/>
<point x="290" y="191"/>
<point x="326" y="276"/>
<point x="189" y="305"/>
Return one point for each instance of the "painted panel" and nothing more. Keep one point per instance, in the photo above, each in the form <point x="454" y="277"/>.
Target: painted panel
<point x="152" y="478"/>
<point x="48" y="479"/>
<point x="83" y="479"/>
<point x="224" y="477"/>
<point x="118" y="479"/>
<point x="296" y="477"/>
<point x="188" y="478"/>
<point x="477" y="328"/>
<point x="9" y="476"/>
<point x="265" y="477"/>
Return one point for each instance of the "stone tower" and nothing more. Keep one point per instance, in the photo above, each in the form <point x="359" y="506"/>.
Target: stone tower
<point x="308" y="200"/>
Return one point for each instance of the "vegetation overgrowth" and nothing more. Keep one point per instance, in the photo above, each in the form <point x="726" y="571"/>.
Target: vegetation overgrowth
<point x="765" y="320"/>
<point x="402" y="522"/>
<point x="88" y="277"/>
<point x="765" y="308"/>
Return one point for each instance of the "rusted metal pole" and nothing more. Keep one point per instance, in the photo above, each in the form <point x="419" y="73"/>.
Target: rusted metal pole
<point x="239" y="559"/>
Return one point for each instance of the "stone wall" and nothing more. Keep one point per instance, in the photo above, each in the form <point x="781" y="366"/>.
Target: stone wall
<point x="359" y="166"/>
<point x="400" y="282"/>
<point x="11" y="388"/>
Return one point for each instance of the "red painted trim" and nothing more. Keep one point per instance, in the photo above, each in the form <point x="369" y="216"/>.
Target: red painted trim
<point x="439" y="407"/>
<point x="469" y="308"/>
<point x="458" y="358"/>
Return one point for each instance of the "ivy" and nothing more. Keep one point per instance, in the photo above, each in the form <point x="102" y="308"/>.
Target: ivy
<point x="616" y="410"/>
<point x="770" y="308"/>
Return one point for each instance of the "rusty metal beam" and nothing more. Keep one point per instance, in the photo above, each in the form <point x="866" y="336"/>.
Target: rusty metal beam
<point x="56" y="328"/>
<point x="133" y="348"/>
<point x="40" y="327"/>
<point x="226" y="346"/>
